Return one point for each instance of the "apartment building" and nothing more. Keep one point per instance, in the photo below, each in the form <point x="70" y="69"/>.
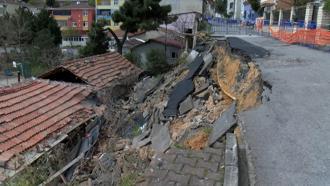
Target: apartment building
<point x="76" y="17"/>
<point x="104" y="10"/>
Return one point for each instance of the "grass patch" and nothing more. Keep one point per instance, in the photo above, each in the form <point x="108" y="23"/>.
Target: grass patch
<point x="179" y="146"/>
<point x="207" y="130"/>
<point x="136" y="130"/>
<point x="128" y="180"/>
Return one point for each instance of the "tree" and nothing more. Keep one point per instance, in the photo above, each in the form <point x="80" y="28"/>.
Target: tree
<point x="50" y="3"/>
<point x="327" y="5"/>
<point x="137" y="15"/>
<point x="255" y="4"/>
<point x="157" y="62"/>
<point x="98" y="41"/>
<point x="45" y="20"/>
<point x="221" y="7"/>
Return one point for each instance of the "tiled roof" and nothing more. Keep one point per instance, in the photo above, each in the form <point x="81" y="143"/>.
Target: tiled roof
<point x="100" y="70"/>
<point x="35" y="110"/>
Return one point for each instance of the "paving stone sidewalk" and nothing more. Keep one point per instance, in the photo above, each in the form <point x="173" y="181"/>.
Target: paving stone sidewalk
<point x="187" y="167"/>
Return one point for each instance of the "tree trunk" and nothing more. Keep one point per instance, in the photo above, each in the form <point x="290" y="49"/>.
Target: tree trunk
<point x="119" y="43"/>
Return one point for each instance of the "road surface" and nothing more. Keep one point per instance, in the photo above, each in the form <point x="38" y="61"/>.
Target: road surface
<point x="289" y="135"/>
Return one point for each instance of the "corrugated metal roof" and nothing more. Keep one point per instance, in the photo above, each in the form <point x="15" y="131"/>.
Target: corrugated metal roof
<point x="32" y="111"/>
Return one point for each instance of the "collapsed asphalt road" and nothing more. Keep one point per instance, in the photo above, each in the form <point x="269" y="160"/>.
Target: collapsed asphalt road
<point x="289" y="133"/>
<point x="247" y="48"/>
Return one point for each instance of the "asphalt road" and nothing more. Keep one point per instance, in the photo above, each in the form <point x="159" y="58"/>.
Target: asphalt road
<point x="289" y="135"/>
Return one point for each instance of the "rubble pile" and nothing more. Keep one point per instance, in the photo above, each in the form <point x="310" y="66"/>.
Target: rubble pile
<point x="180" y="109"/>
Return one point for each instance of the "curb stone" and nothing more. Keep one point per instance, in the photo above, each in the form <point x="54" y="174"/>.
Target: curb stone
<point x="246" y="167"/>
<point x="231" y="161"/>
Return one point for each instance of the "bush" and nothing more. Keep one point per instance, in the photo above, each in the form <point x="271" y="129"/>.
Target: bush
<point x="157" y="62"/>
<point x="133" y="58"/>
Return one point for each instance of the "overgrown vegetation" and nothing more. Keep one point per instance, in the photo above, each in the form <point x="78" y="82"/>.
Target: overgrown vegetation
<point x="128" y="180"/>
<point x="255" y="4"/>
<point x="221" y="8"/>
<point x="157" y="62"/>
<point x="97" y="43"/>
<point x="30" y="39"/>
<point x="133" y="58"/>
<point x="327" y="5"/>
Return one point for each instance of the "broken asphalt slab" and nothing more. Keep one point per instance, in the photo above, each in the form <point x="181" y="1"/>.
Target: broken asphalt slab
<point x="247" y="48"/>
<point x="194" y="67"/>
<point x="179" y="93"/>
<point x="223" y="124"/>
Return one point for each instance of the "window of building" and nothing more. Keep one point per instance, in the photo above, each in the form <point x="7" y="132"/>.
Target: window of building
<point x="174" y="55"/>
<point x="61" y="23"/>
<point x="74" y="24"/>
<point x="85" y="23"/>
<point x="115" y="2"/>
<point x="85" y="13"/>
<point x="231" y="5"/>
<point x="62" y="12"/>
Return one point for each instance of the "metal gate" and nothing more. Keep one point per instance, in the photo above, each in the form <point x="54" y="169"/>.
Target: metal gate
<point x="231" y="27"/>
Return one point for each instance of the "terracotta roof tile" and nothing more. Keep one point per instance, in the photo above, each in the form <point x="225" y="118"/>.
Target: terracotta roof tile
<point x="32" y="111"/>
<point x="100" y="70"/>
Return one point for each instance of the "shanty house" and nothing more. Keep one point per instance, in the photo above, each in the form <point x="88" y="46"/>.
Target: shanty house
<point x="172" y="47"/>
<point x="38" y="115"/>
<point x="104" y="72"/>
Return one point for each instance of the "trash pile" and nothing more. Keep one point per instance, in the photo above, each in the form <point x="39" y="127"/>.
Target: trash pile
<point x="180" y="109"/>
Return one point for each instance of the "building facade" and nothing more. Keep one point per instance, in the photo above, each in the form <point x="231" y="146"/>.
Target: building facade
<point x="74" y="20"/>
<point x="283" y="12"/>
<point x="104" y="10"/>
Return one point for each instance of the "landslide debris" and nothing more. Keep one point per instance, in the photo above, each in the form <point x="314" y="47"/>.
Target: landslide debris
<point x="148" y="121"/>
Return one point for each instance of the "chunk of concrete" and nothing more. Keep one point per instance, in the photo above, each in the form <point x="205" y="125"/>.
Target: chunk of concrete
<point x="146" y="87"/>
<point x="231" y="161"/>
<point x="208" y="61"/>
<point x="186" y="105"/>
<point x="139" y="140"/>
<point x="160" y="138"/>
<point x="223" y="124"/>
<point x="231" y="156"/>
<point x="191" y="57"/>
<point x="231" y="176"/>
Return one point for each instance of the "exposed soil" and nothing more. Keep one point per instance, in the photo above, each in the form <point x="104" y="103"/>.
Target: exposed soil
<point x="198" y="141"/>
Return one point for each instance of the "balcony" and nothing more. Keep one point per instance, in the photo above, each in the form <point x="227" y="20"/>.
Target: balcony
<point x="103" y="3"/>
<point x="105" y="17"/>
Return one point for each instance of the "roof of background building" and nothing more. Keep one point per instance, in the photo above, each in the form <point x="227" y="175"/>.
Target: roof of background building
<point x="99" y="70"/>
<point x="120" y="33"/>
<point x="34" y="111"/>
<point x="130" y="43"/>
<point x="73" y="6"/>
<point x="169" y="42"/>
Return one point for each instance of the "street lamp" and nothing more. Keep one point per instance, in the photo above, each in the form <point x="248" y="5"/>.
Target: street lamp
<point x="15" y="65"/>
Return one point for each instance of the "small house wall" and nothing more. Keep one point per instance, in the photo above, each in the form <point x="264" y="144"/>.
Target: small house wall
<point x="142" y="51"/>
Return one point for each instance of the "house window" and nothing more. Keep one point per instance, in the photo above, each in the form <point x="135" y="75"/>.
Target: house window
<point x="85" y="23"/>
<point x="85" y="13"/>
<point x="231" y="5"/>
<point x="61" y="23"/>
<point x="74" y="24"/>
<point x="174" y="55"/>
<point x="115" y="2"/>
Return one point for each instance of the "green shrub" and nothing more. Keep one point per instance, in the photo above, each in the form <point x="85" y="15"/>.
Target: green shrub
<point x="156" y="63"/>
<point x="133" y="58"/>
